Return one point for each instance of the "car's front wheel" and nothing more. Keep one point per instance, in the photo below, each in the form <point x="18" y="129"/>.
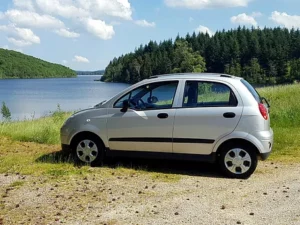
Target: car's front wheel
<point x="88" y="149"/>
<point x="238" y="161"/>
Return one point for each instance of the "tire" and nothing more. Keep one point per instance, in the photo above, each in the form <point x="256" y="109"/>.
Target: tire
<point x="88" y="149"/>
<point x="238" y="161"/>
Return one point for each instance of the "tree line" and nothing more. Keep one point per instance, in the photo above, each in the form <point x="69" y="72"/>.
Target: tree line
<point x="98" y="72"/>
<point x="17" y="65"/>
<point x="262" y="56"/>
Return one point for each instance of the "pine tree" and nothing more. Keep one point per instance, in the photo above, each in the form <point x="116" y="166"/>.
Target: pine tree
<point x="5" y="112"/>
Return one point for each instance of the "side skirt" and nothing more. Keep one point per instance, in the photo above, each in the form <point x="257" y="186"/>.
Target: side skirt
<point x="162" y="155"/>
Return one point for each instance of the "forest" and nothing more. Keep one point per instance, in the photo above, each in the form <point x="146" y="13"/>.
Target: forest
<point x="17" y="65"/>
<point x="266" y="56"/>
<point x="98" y="72"/>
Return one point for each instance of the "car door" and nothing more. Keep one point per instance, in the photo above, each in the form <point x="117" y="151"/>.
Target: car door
<point x="210" y="110"/>
<point x="148" y="124"/>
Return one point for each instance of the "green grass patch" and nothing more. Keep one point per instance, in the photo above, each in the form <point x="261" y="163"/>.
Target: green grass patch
<point x="45" y="130"/>
<point x="17" y="184"/>
<point x="285" y="120"/>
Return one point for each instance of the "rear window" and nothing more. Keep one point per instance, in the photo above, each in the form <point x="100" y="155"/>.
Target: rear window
<point x="252" y="90"/>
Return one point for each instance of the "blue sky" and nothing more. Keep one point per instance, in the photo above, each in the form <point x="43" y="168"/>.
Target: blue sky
<point x="87" y="34"/>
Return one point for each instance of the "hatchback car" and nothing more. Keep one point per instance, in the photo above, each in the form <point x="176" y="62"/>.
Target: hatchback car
<point x="200" y="117"/>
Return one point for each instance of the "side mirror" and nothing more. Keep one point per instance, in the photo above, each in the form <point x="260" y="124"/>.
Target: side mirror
<point x="125" y="106"/>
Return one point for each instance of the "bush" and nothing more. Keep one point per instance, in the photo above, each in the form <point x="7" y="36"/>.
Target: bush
<point x="5" y="112"/>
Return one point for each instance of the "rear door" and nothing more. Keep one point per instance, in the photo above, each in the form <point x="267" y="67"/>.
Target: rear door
<point x="210" y="110"/>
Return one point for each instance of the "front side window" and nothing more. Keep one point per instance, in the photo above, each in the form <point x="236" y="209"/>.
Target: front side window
<point x="208" y="94"/>
<point x="151" y="96"/>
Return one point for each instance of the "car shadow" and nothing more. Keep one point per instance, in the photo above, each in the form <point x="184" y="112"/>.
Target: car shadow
<point x="189" y="168"/>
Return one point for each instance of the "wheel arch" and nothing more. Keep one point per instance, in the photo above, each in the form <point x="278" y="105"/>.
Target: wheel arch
<point x="237" y="141"/>
<point x="77" y="136"/>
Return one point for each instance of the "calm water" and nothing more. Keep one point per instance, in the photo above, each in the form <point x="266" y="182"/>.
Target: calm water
<point x="34" y="98"/>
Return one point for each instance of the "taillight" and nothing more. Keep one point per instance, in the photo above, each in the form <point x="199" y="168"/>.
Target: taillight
<point x="263" y="110"/>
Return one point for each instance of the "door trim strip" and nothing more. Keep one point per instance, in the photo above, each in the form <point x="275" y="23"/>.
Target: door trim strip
<point x="164" y="140"/>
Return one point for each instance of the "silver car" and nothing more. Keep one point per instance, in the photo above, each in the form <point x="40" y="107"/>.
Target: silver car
<point x="201" y="117"/>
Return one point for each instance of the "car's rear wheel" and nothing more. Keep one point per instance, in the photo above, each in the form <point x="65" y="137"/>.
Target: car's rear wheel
<point x="238" y="161"/>
<point x="89" y="150"/>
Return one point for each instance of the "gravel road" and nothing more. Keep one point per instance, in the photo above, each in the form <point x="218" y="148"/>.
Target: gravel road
<point x="179" y="196"/>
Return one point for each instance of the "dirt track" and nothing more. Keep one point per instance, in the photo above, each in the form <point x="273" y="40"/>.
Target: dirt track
<point x="181" y="196"/>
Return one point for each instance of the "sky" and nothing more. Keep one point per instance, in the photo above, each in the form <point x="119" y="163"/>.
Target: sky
<point x="87" y="34"/>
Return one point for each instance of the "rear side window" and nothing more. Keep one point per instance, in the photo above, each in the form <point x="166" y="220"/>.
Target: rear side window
<point x="208" y="94"/>
<point x="252" y="91"/>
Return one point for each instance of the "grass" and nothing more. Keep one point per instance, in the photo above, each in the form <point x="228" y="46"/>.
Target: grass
<point x="17" y="184"/>
<point x="20" y="153"/>
<point x="285" y="120"/>
<point x="44" y="130"/>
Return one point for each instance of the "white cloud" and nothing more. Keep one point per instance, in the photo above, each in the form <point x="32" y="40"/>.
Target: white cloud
<point x="202" y="4"/>
<point x="98" y="28"/>
<point x="32" y="19"/>
<point x="97" y="17"/>
<point x="85" y="8"/>
<point x="19" y="42"/>
<point x="191" y="19"/>
<point x="67" y="33"/>
<point x="5" y="47"/>
<point x="203" y="29"/>
<point x="24" y="4"/>
<point x="20" y="36"/>
<point x="65" y="61"/>
<point x="80" y="59"/>
<point x="243" y="19"/>
<point x="117" y="8"/>
<point x="286" y="20"/>
<point x="63" y="8"/>
<point x="144" y="23"/>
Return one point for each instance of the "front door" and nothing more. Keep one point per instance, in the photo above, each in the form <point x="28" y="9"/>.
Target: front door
<point x="210" y="110"/>
<point x="148" y="123"/>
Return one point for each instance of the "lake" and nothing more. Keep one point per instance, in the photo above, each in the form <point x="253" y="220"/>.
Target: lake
<point x="34" y="98"/>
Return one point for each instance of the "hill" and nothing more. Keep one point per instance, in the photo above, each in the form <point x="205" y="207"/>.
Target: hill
<point x="98" y="72"/>
<point x="17" y="65"/>
<point x="262" y="56"/>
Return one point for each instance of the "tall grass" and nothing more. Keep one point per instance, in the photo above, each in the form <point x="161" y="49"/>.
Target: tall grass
<point x="285" y="120"/>
<point x="44" y="130"/>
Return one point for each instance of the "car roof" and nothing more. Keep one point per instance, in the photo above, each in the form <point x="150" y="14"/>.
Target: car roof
<point x="217" y="76"/>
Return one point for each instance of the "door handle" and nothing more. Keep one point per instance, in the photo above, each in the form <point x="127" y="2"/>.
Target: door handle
<point x="229" y="115"/>
<point x="163" y="115"/>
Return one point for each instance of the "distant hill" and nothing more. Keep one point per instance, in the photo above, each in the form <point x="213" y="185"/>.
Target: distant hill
<point x="17" y="65"/>
<point x="98" y="72"/>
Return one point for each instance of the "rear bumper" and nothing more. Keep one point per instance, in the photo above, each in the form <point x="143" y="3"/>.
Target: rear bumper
<point x="263" y="140"/>
<point x="264" y="156"/>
